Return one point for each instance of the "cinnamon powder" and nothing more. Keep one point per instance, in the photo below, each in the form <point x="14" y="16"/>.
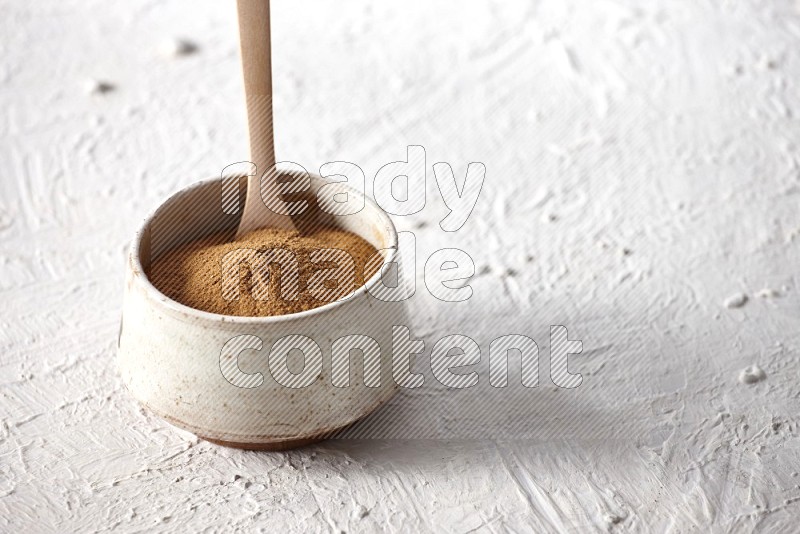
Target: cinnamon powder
<point x="230" y="277"/>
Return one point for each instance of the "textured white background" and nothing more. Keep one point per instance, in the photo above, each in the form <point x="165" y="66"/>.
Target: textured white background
<point x="642" y="167"/>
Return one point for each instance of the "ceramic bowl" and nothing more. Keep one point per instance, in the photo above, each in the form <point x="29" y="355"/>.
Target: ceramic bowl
<point x="213" y="374"/>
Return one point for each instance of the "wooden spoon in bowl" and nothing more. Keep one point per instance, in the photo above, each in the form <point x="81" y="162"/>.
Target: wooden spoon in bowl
<point x="254" y="37"/>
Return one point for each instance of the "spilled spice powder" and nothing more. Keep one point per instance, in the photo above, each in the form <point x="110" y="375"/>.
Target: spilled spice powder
<point x="203" y="273"/>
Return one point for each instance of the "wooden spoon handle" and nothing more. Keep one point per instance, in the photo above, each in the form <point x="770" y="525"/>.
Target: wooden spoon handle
<point x="254" y="35"/>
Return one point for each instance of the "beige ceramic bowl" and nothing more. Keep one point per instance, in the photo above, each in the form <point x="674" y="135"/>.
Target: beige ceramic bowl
<point x="172" y="360"/>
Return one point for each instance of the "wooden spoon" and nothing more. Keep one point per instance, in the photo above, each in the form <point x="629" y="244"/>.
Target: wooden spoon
<point x="254" y="37"/>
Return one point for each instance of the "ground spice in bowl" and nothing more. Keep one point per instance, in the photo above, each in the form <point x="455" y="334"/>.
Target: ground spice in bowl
<point x="193" y="273"/>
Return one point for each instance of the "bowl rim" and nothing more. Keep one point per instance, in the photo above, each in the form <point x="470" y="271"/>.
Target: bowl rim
<point x="152" y="292"/>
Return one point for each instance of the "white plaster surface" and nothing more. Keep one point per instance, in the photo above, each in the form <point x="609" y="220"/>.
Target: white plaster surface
<point x="642" y="168"/>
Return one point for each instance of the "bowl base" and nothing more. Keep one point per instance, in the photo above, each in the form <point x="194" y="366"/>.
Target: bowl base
<point x="273" y="446"/>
